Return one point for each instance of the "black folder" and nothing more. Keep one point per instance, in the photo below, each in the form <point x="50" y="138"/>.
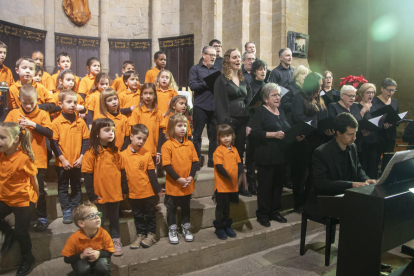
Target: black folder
<point x="266" y="79"/>
<point x="211" y="79"/>
<point x="301" y="128"/>
<point x="327" y="123"/>
<point x="256" y="98"/>
<point x="367" y="125"/>
<point x="392" y="115"/>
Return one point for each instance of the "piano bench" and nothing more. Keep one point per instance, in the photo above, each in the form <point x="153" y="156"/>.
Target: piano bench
<point x="330" y="224"/>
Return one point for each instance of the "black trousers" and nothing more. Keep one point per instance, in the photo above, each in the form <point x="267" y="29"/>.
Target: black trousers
<point x="144" y="215"/>
<point x="101" y="267"/>
<point x="23" y="216"/>
<point x="239" y="125"/>
<point x="301" y="171"/>
<point x="387" y="151"/>
<point x="202" y="117"/>
<point x="250" y="167"/>
<point x="66" y="177"/>
<point x="223" y="206"/>
<point x="369" y="158"/>
<point x="269" y="191"/>
<point x="172" y="202"/>
<point x="41" y="202"/>
<point x="110" y="210"/>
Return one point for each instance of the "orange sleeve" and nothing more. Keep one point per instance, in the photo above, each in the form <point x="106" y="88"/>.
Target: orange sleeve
<point x="189" y="128"/>
<point x="85" y="130"/>
<point x="193" y="152"/>
<point x="46" y="120"/>
<point x="151" y="165"/>
<point x="91" y="102"/>
<point x="10" y="80"/>
<point x="218" y="157"/>
<point x="166" y="153"/>
<point x="70" y="248"/>
<point x="76" y="86"/>
<point x="45" y="94"/>
<point x="175" y="93"/>
<point x="163" y="124"/>
<point x="237" y="155"/>
<point x="83" y="87"/>
<point x="108" y="243"/>
<point x="30" y="168"/>
<point x="80" y="101"/>
<point x="121" y="161"/>
<point x="126" y="125"/>
<point x="135" y="118"/>
<point x="14" y="94"/>
<point x="122" y="99"/>
<point x="56" y="130"/>
<point x="48" y="82"/>
<point x="88" y="162"/>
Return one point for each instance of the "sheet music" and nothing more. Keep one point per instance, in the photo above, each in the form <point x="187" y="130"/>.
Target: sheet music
<point x="283" y="91"/>
<point x="402" y="115"/>
<point x="399" y="156"/>
<point x="188" y="96"/>
<point x="322" y="93"/>
<point x="309" y="123"/>
<point x="376" y="120"/>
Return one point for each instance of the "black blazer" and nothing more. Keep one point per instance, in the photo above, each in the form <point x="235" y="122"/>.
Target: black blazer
<point x="327" y="176"/>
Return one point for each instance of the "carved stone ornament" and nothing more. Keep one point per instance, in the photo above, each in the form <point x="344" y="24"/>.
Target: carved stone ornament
<point x="78" y="11"/>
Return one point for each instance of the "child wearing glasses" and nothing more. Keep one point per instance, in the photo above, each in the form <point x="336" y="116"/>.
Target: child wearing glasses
<point x="90" y="248"/>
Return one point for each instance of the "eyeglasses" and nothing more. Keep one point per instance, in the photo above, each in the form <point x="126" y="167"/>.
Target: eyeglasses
<point x="250" y="59"/>
<point x="350" y="96"/>
<point x="328" y="78"/>
<point x="370" y="92"/>
<point x="217" y="46"/>
<point x="211" y="55"/>
<point x="93" y="215"/>
<point x="391" y="90"/>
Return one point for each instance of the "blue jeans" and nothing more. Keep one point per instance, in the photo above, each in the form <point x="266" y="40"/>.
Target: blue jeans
<point x="72" y="176"/>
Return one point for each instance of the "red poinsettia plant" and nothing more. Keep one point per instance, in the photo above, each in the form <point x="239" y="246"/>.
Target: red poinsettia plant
<point x="354" y="81"/>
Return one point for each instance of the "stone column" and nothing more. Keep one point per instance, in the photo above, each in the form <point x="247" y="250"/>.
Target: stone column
<point x="104" y="20"/>
<point x="218" y="20"/>
<point x="156" y="25"/>
<point x="50" y="57"/>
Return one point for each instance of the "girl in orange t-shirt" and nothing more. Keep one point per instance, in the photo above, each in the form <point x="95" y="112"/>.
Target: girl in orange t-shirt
<point x="93" y="68"/>
<point x="92" y="100"/>
<point x="166" y="89"/>
<point x="227" y="170"/>
<point x="105" y="177"/>
<point x="180" y="161"/>
<point x="18" y="189"/>
<point x="178" y="104"/>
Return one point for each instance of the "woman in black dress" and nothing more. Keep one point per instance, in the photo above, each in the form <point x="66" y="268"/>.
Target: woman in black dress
<point x="232" y="95"/>
<point x="329" y="94"/>
<point x="258" y="73"/>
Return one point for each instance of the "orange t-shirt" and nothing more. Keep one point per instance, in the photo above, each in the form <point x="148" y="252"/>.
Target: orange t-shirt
<point x="230" y="160"/>
<point x="93" y="103"/>
<point x="69" y="137"/>
<point x="86" y="84"/>
<point x="75" y="86"/>
<point x="47" y="81"/>
<point x="15" y="173"/>
<point x="55" y="96"/>
<point x="106" y="168"/>
<point x="164" y="98"/>
<point x="153" y="121"/>
<point x="137" y="165"/>
<point x="42" y="93"/>
<point x="151" y="75"/>
<point x="128" y="98"/>
<point x="6" y="75"/>
<point x="78" y="242"/>
<point x="119" y="85"/>
<point x="41" y="118"/>
<point x="167" y="118"/>
<point x="122" y="128"/>
<point x="181" y="158"/>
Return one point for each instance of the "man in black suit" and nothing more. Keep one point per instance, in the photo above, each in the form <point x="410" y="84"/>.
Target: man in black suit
<point x="335" y="165"/>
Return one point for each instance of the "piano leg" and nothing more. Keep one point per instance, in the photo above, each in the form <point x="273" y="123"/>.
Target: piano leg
<point x="407" y="250"/>
<point x="303" y="234"/>
<point x="333" y="234"/>
<point x="328" y="244"/>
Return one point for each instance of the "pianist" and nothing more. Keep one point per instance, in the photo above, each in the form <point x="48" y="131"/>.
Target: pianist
<point x="335" y="165"/>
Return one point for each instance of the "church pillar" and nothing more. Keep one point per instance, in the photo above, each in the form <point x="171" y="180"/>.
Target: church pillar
<point x="104" y="34"/>
<point x="156" y="25"/>
<point x="50" y="57"/>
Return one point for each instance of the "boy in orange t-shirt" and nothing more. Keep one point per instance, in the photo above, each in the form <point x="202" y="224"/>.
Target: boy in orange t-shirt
<point x="119" y="83"/>
<point x="143" y="185"/>
<point x="5" y="73"/>
<point x="37" y="121"/>
<point x="90" y="248"/>
<point x="46" y="78"/>
<point x="69" y="143"/>
<point x="64" y="62"/>
<point x="129" y="98"/>
<point x="160" y="60"/>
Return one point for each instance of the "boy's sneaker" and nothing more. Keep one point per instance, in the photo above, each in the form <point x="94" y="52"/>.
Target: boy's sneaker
<point x="172" y="234"/>
<point x="137" y="242"/>
<point x="26" y="266"/>
<point x="188" y="236"/>
<point x="118" y="247"/>
<point x="67" y="217"/>
<point x="41" y="225"/>
<point x="149" y="240"/>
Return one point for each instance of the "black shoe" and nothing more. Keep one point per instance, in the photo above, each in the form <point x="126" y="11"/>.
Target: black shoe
<point x="41" y="225"/>
<point x="27" y="265"/>
<point x="252" y="188"/>
<point x="9" y="239"/>
<point x="264" y="222"/>
<point x="385" y="266"/>
<point x="244" y="192"/>
<point x="298" y="210"/>
<point x="279" y="218"/>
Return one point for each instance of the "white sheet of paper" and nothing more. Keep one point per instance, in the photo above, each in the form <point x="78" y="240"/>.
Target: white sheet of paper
<point x="322" y="93"/>
<point x="283" y="91"/>
<point x="188" y="96"/>
<point x="402" y="115"/>
<point x="376" y="120"/>
<point x="399" y="156"/>
<point x="309" y="123"/>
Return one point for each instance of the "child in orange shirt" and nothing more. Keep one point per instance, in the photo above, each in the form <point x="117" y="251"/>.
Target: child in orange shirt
<point x="93" y="68"/>
<point x="109" y="108"/>
<point x="92" y="100"/>
<point x="5" y="73"/>
<point x="119" y="84"/>
<point x="25" y="68"/>
<point x="160" y="60"/>
<point x="64" y="63"/>
<point x="69" y="143"/>
<point x="227" y="171"/>
<point x="18" y="190"/>
<point x="129" y="98"/>
<point x="90" y="248"/>
<point x="105" y="178"/>
<point x="166" y="89"/>
<point x="143" y="185"/>
<point x="37" y="121"/>
<point x="178" y="104"/>
<point x="38" y="75"/>
<point x="180" y="161"/>
<point x="45" y="78"/>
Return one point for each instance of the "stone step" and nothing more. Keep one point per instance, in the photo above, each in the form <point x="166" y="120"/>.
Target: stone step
<point x="48" y="245"/>
<point x="206" y="250"/>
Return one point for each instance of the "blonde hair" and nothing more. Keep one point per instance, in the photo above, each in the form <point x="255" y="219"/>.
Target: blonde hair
<point x="79" y="212"/>
<point x="106" y="93"/>
<point x="173" y="102"/>
<point x="171" y="84"/>
<point x="172" y="122"/>
<point x="298" y="71"/>
<point x="227" y="67"/>
<point x="365" y="87"/>
<point x="25" y="138"/>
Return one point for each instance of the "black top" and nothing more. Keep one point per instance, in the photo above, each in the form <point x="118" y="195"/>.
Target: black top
<point x="408" y="135"/>
<point x="246" y="75"/>
<point x="255" y="86"/>
<point x="373" y="137"/>
<point x="281" y="75"/>
<point x="336" y="108"/>
<point x="332" y="96"/>
<point x="231" y="100"/>
<point x="203" y="97"/>
<point x="268" y="151"/>
<point x="391" y="132"/>
<point x="286" y="101"/>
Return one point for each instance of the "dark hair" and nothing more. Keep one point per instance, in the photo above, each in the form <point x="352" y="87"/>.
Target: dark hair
<point x="135" y="129"/>
<point x="79" y="212"/>
<point x="128" y="74"/>
<point x="310" y="88"/>
<point x="344" y="120"/>
<point x="173" y="102"/>
<point x="38" y="70"/>
<point x="155" y="102"/>
<point x="29" y="59"/>
<point x="205" y="48"/>
<point x="62" y="54"/>
<point x="127" y="62"/>
<point x="61" y="76"/>
<point x="247" y="43"/>
<point x="66" y="92"/>
<point x="256" y="66"/>
<point x="283" y="50"/>
<point x="214" y="41"/>
<point x="224" y="129"/>
<point x="98" y="80"/>
<point x="90" y="61"/>
<point x="388" y="82"/>
<point x="3" y="45"/>
<point x="94" y="141"/>
<point x="157" y="54"/>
